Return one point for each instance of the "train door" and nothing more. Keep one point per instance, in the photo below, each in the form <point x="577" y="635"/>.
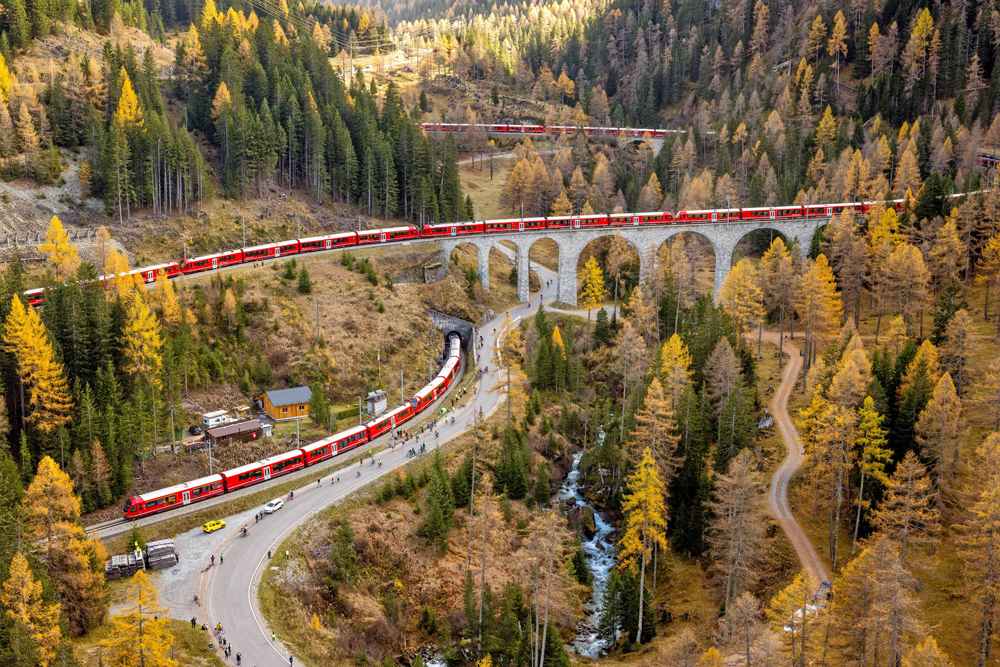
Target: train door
<point x="328" y="243"/>
<point x="267" y="472"/>
<point x="215" y="262"/>
<point x="150" y="276"/>
<point x="772" y="214"/>
<point x="454" y="231"/>
<point x="277" y="252"/>
<point x="576" y="222"/>
<point x="715" y="217"/>
<point x="520" y="226"/>
<point x="829" y="210"/>
<point x="382" y="238"/>
<point x="635" y="220"/>
<point x="186" y="498"/>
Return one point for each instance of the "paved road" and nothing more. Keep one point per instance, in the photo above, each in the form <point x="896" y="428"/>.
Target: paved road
<point x="230" y="589"/>
<point x="777" y="496"/>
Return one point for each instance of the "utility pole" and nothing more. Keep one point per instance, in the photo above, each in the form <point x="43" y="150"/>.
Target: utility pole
<point x="297" y="441"/>
<point x="401" y="385"/>
<point x="359" y="411"/>
<point x="243" y="218"/>
<point x="378" y="358"/>
<point x="317" y="320"/>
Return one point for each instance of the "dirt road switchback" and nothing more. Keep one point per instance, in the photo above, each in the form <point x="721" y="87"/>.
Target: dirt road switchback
<point x="777" y="497"/>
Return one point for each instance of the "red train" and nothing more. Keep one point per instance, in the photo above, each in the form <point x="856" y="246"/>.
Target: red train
<point x="273" y="251"/>
<point x="510" y="128"/>
<point x="194" y="491"/>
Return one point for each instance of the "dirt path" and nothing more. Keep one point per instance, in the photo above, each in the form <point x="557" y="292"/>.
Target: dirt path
<point x="777" y="497"/>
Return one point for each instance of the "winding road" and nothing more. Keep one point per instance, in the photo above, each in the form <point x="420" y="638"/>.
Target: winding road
<point x="230" y="588"/>
<point x="777" y="497"/>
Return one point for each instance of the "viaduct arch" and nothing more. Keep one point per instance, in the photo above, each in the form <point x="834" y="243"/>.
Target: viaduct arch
<point x="723" y="236"/>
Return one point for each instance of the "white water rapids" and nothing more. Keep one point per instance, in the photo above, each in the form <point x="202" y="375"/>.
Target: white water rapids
<point x="600" y="553"/>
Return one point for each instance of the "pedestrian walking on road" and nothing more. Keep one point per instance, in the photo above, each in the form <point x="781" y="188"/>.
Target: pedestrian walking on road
<point x="269" y="554"/>
<point x="239" y="659"/>
<point x="220" y="559"/>
<point x="213" y="559"/>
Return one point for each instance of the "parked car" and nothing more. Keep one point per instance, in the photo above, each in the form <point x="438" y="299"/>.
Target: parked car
<point x="274" y="506"/>
<point x="213" y="525"/>
<point x="195" y="430"/>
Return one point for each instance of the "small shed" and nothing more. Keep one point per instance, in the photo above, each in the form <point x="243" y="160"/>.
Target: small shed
<point x="376" y="402"/>
<point x="290" y="403"/>
<point x="230" y="434"/>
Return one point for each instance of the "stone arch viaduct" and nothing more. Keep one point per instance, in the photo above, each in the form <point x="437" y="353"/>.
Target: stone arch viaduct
<point x="723" y="237"/>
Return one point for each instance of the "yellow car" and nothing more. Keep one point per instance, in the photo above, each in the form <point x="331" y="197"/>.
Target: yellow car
<point x="213" y="526"/>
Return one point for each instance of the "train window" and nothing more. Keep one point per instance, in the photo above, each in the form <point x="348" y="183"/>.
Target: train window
<point x="253" y="474"/>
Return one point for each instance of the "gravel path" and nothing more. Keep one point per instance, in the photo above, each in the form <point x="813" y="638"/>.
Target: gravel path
<point x="777" y="497"/>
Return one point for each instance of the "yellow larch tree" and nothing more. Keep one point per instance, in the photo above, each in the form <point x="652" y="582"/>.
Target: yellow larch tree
<point x="229" y="305"/>
<point x="40" y="372"/>
<point x="979" y="547"/>
<point x="34" y="621"/>
<point x="817" y="33"/>
<point x="6" y="81"/>
<point x="711" y="658"/>
<point x="988" y="274"/>
<point x="59" y="252"/>
<point x="675" y="368"/>
<point x="940" y="429"/>
<point x="557" y="343"/>
<point x="873" y="455"/>
<point x="907" y="514"/>
<point x="849" y="384"/>
<point x="166" y="295"/>
<point x="655" y="431"/>
<point x="129" y="114"/>
<point x="777" y="278"/>
<point x="742" y="297"/>
<point x="826" y="129"/>
<point x="593" y="289"/>
<point x="142" y="341"/>
<point x="139" y="635"/>
<point x="116" y="266"/>
<point x="562" y="205"/>
<point x="819" y="307"/>
<point x="75" y="564"/>
<point x="645" y="523"/>
<point x="896" y="336"/>
<point x="837" y="46"/>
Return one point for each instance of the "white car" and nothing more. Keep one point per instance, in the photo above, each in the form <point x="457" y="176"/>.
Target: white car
<point x="273" y="506"/>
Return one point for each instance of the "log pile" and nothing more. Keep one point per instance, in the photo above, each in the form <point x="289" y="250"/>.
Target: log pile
<point x="124" y="566"/>
<point x="161" y="554"/>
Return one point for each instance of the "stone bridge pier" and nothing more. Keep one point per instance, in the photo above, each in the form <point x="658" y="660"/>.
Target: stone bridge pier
<point x="722" y="236"/>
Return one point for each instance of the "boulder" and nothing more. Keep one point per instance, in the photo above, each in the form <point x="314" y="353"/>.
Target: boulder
<point x="587" y="522"/>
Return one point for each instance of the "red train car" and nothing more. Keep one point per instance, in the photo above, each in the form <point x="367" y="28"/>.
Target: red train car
<point x="264" y="469"/>
<point x="259" y="253"/>
<point x="210" y="262"/>
<point x="148" y="274"/>
<point x="34" y="297"/>
<point x="387" y="235"/>
<point x="452" y="229"/>
<point x="712" y="215"/>
<point x="650" y="218"/>
<point x="772" y="213"/>
<point x="577" y="221"/>
<point x="513" y="225"/>
<point x="174" y="496"/>
<point x="428" y="394"/>
<point x="351" y="438"/>
<point x="390" y="420"/>
<point x="328" y="242"/>
<point x="319" y="450"/>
